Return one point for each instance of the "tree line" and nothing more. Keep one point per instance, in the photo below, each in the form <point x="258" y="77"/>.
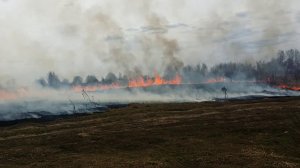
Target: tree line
<point x="283" y="69"/>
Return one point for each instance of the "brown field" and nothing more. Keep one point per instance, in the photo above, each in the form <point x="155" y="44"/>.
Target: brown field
<point x="257" y="133"/>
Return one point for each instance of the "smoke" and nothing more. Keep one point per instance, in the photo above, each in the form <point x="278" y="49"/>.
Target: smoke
<point x="48" y="103"/>
<point x="133" y="38"/>
<point x="97" y="37"/>
<point x="278" y="26"/>
<point x="252" y="32"/>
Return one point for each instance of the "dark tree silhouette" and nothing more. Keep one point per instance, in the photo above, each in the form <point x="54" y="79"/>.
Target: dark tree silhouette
<point x="77" y="80"/>
<point x="110" y="78"/>
<point x="42" y="82"/>
<point x="91" y="80"/>
<point x="53" y="80"/>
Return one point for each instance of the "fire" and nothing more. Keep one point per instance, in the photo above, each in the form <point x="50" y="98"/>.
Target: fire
<point x="140" y="82"/>
<point x="12" y="95"/>
<point x="134" y="83"/>
<point x="288" y="87"/>
<point x="5" y="95"/>
<point x="158" y="80"/>
<point x="108" y="87"/>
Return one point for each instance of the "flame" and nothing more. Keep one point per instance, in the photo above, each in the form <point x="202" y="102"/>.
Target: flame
<point x="134" y="83"/>
<point x="289" y="87"/>
<point x="158" y="80"/>
<point x="5" y="95"/>
<point x="12" y="95"/>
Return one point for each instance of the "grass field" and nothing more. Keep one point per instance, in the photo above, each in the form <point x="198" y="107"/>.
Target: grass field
<point x="257" y="133"/>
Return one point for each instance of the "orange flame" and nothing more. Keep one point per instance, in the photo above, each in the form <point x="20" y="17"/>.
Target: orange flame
<point x="158" y="80"/>
<point x="294" y="88"/>
<point x="5" y="95"/>
<point x="134" y="83"/>
<point x="12" y="95"/>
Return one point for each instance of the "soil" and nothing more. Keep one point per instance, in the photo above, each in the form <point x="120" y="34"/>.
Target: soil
<point x="240" y="133"/>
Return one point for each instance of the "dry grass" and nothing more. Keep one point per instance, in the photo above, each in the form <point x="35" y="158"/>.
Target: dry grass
<point x="264" y="133"/>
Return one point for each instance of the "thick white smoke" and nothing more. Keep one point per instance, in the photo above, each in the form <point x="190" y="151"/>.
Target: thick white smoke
<point x="73" y="37"/>
<point x="132" y="37"/>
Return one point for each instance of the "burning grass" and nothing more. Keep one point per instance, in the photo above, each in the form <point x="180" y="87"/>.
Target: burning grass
<point x="264" y="133"/>
<point x="295" y="87"/>
<point x="12" y="94"/>
<point x="139" y="82"/>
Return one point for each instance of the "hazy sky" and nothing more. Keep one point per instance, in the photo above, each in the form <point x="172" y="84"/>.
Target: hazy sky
<point x="80" y="37"/>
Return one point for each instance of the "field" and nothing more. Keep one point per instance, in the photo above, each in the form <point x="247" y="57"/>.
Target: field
<point x="252" y="133"/>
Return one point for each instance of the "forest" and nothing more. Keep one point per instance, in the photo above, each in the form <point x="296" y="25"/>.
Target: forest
<point x="282" y="69"/>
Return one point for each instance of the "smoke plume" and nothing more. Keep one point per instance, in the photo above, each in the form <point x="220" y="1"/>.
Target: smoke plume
<point x="138" y="36"/>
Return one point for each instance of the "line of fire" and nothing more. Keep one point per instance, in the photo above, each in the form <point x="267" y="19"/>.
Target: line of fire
<point x="282" y="72"/>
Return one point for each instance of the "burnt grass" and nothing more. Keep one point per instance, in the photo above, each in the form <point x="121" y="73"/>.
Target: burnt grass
<point x="252" y="133"/>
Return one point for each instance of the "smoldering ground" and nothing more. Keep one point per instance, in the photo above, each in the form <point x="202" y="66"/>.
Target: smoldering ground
<point x="41" y="103"/>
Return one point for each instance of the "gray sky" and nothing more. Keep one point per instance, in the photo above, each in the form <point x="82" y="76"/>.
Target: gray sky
<point x="80" y="37"/>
